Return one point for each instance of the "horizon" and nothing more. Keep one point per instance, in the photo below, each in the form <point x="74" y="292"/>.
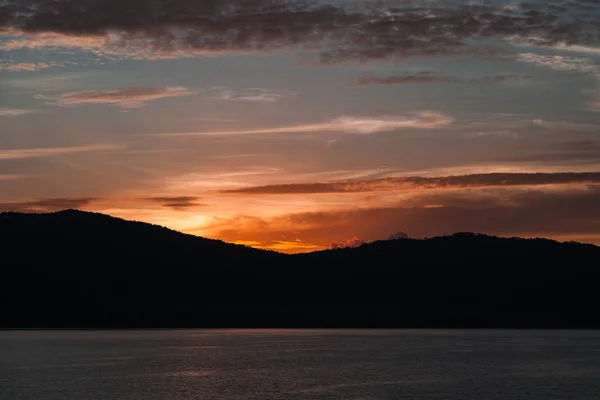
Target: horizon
<point x="298" y="125"/>
<point x="335" y="246"/>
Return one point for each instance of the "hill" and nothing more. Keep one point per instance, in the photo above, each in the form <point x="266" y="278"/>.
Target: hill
<point x="75" y="269"/>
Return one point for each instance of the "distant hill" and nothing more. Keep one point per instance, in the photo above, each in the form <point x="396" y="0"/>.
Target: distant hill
<point x="74" y="269"/>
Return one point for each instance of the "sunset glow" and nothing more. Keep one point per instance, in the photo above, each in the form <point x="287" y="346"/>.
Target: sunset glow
<point x="290" y="126"/>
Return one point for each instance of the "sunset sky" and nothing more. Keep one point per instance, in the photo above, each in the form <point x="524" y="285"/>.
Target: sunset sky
<point x="291" y="125"/>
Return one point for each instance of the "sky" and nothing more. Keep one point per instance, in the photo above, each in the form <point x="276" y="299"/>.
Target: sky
<point x="296" y="125"/>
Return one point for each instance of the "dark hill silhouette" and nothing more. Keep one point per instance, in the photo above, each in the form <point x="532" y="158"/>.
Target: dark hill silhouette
<point x="77" y="269"/>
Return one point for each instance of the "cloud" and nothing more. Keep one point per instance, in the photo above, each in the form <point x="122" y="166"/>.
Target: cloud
<point x="593" y="106"/>
<point x="256" y="95"/>
<point x="560" y="45"/>
<point x="581" y="145"/>
<point x="558" y="159"/>
<point x="420" y="182"/>
<point x="16" y="154"/>
<point x="593" y="103"/>
<point x="560" y="63"/>
<point x="28" y="66"/>
<point x="13" y="177"/>
<point x="128" y="98"/>
<point x="348" y="244"/>
<point x="47" y="205"/>
<point x="420" y="78"/>
<point x="577" y="49"/>
<point x="14" y="112"/>
<point x="500" y="78"/>
<point x="427" y="77"/>
<point x="501" y="133"/>
<point x="176" y="202"/>
<point x="566" y="126"/>
<point x="349" y="30"/>
<point x="347" y="124"/>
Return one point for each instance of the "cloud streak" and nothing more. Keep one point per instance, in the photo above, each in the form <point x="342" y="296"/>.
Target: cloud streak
<point x="256" y="95"/>
<point x="345" y="124"/>
<point x="428" y="78"/>
<point x="28" y="66"/>
<point x="176" y="202"/>
<point x="14" y="112"/>
<point x="566" y="125"/>
<point x="17" y="154"/>
<point x="127" y="98"/>
<point x="412" y="183"/>
<point x="560" y="63"/>
<point x="13" y="177"/>
<point x="406" y="79"/>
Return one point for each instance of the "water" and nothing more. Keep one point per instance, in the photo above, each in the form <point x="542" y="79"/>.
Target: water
<point x="286" y="364"/>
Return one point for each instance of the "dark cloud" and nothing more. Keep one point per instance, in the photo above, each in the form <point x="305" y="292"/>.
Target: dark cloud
<point x="404" y="79"/>
<point x="176" y="202"/>
<point x="349" y="30"/>
<point x="47" y="205"/>
<point x="500" y="78"/>
<point x="458" y="181"/>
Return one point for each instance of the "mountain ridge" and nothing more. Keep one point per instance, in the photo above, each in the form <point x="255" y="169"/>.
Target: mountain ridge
<point x="75" y="269"/>
<point x="75" y="212"/>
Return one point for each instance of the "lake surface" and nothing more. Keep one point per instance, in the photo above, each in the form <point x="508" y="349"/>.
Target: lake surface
<point x="310" y="364"/>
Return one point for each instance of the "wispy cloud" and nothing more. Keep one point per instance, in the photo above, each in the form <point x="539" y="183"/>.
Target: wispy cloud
<point x="128" y="98"/>
<point x="566" y="125"/>
<point x="560" y="45"/>
<point x="499" y="78"/>
<point x="176" y="202"/>
<point x="49" y="39"/>
<point x="405" y="79"/>
<point x="500" y="133"/>
<point x="420" y="182"/>
<point x="347" y="124"/>
<point x="593" y="106"/>
<point x="30" y="66"/>
<point x="428" y="77"/>
<point x="15" y="154"/>
<point x="560" y="63"/>
<point x="13" y="177"/>
<point x="589" y="145"/>
<point x="14" y="112"/>
<point x="256" y="95"/>
<point x="593" y="102"/>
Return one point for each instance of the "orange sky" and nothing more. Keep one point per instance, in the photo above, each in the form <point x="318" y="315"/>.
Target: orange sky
<point x="289" y="126"/>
